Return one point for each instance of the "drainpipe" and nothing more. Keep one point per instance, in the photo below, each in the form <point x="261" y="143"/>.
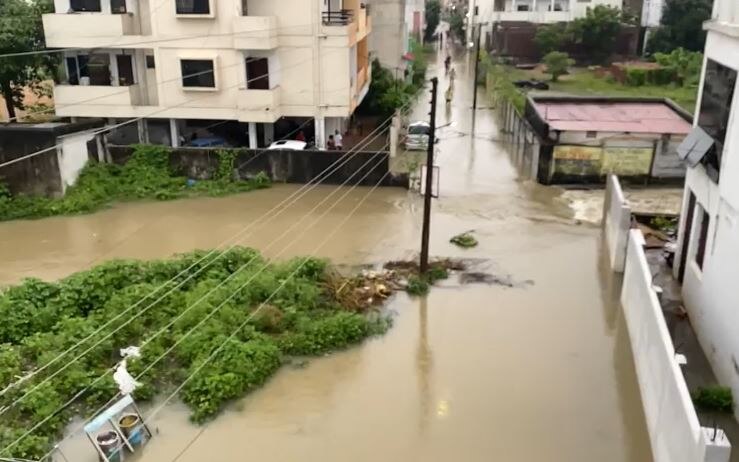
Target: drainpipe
<point x="317" y="99"/>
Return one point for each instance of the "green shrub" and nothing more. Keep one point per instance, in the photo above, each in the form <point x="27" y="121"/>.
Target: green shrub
<point x="41" y="320"/>
<point x="635" y="77"/>
<point x="466" y="240"/>
<point x="715" y="398"/>
<point x="146" y="175"/>
<point x="417" y="286"/>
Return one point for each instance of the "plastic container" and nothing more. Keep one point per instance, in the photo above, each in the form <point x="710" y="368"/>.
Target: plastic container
<point x="109" y="443"/>
<point x="132" y="428"/>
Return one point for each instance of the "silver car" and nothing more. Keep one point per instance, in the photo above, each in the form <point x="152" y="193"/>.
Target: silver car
<point x="418" y="136"/>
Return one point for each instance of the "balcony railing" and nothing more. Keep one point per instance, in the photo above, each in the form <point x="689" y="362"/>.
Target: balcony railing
<point x="337" y="18"/>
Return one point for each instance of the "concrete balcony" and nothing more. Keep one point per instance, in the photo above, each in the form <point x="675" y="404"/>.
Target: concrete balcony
<point x="259" y="105"/>
<point x="364" y="24"/>
<point x="88" y="30"/>
<point x="96" y="100"/>
<point x="355" y="25"/>
<point x="255" y="32"/>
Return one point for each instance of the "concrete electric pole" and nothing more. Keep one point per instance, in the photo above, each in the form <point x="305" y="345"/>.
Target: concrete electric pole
<point x="424" y="264"/>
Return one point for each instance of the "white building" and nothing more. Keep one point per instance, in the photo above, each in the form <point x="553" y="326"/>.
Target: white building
<point x="535" y="11"/>
<point x="707" y="261"/>
<point x="252" y="61"/>
<point x="394" y="23"/>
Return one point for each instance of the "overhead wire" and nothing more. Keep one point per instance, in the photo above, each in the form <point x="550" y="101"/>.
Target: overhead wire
<point x="153" y="414"/>
<point x="29" y="376"/>
<point x="76" y="396"/>
<point x="209" y="293"/>
<point x="164" y="109"/>
<point x="141" y="312"/>
<point x="371" y="169"/>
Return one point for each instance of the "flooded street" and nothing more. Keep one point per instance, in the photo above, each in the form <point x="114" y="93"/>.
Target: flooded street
<point x="541" y="371"/>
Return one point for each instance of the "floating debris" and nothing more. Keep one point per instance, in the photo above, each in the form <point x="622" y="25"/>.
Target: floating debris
<point x="465" y="240"/>
<point x="474" y="277"/>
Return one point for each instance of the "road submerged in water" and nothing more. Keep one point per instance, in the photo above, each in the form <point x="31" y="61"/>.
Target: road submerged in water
<point x="541" y="371"/>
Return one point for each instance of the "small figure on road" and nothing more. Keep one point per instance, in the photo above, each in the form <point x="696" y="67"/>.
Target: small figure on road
<point x="339" y="140"/>
<point x="452" y="75"/>
<point x="450" y="92"/>
<point x="447" y="63"/>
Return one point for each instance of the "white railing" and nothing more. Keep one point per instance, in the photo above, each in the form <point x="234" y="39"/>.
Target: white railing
<point x="674" y="430"/>
<point x="616" y="223"/>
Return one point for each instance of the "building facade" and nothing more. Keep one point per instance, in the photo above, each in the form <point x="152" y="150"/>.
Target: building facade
<point x="394" y="24"/>
<point x="255" y="62"/>
<point x="707" y="258"/>
<point x="535" y="11"/>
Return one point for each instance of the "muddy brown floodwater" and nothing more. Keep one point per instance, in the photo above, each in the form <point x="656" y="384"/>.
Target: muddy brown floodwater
<point x="540" y="371"/>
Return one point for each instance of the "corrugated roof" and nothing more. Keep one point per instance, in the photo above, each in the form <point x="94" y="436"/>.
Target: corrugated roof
<point x="647" y="117"/>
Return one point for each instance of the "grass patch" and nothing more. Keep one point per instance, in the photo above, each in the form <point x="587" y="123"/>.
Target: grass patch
<point x="584" y="82"/>
<point x="714" y="399"/>
<point x="146" y="176"/>
<point x="42" y="319"/>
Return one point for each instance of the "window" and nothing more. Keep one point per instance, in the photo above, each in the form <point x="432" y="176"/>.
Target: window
<point x="257" y="74"/>
<point x="73" y="74"/>
<point x="117" y="6"/>
<point x="198" y="73"/>
<point x="591" y="134"/>
<point x="193" y="6"/>
<point x="700" y="252"/>
<point x="98" y="66"/>
<point x="85" y="5"/>
<point x="713" y="118"/>
<point x="150" y="64"/>
<point x="125" y="70"/>
<point x="522" y="8"/>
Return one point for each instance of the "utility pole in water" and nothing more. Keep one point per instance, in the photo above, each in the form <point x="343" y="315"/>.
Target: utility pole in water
<point x="429" y="180"/>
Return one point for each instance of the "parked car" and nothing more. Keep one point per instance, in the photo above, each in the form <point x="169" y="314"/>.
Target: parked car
<point x="533" y="83"/>
<point x="417" y="137"/>
<point x="209" y="142"/>
<point x="293" y="145"/>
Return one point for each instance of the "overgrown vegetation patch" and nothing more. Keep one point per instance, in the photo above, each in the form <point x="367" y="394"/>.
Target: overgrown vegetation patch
<point x="42" y="319"/>
<point x="146" y="175"/>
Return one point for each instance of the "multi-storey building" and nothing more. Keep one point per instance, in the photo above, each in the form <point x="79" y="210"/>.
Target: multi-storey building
<point x="707" y="259"/>
<point x="394" y="23"/>
<point x="535" y="11"/>
<point x="266" y="64"/>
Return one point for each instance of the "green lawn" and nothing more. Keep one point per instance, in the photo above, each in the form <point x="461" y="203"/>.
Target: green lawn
<point x="583" y="82"/>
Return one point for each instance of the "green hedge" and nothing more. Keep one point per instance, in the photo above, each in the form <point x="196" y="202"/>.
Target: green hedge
<point x="146" y="175"/>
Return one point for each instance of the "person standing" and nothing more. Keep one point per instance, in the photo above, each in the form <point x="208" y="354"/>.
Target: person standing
<point x="331" y="144"/>
<point x="339" y="141"/>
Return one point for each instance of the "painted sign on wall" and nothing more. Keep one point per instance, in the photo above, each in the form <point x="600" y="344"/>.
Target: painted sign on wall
<point x="592" y="161"/>
<point x="626" y="161"/>
<point x="577" y="160"/>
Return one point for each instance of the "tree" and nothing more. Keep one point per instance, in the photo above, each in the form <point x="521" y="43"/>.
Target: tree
<point x="21" y="31"/>
<point x="681" y="26"/>
<point x="552" y="37"/>
<point x="557" y="64"/>
<point x="686" y="65"/>
<point x="433" y="15"/>
<point x="456" y="24"/>
<point x="596" y="33"/>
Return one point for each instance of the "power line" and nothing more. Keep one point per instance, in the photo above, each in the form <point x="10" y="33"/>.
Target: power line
<point x="202" y="321"/>
<point x="255" y="312"/>
<point x="145" y="42"/>
<point x="340" y="162"/>
<point x="112" y="127"/>
<point x="111" y="369"/>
